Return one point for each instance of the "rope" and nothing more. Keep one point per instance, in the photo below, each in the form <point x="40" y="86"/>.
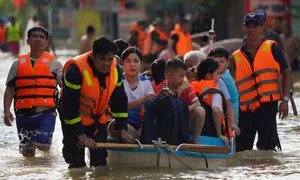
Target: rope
<point x="205" y="159"/>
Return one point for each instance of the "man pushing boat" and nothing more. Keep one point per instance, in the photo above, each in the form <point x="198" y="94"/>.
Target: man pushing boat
<point x="90" y="82"/>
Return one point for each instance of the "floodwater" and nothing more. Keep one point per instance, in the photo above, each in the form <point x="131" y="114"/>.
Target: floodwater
<point x="246" y="165"/>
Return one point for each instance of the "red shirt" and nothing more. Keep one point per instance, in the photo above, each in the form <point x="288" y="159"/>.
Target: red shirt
<point x="188" y="95"/>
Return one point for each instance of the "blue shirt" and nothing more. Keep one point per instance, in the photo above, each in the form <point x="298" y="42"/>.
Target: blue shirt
<point x="234" y="94"/>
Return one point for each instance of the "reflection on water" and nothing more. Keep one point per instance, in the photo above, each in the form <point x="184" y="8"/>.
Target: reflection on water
<point x="245" y="165"/>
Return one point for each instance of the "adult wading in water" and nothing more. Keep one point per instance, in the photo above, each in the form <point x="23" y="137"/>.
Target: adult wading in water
<point x="32" y="82"/>
<point x="90" y="82"/>
<point x="261" y="70"/>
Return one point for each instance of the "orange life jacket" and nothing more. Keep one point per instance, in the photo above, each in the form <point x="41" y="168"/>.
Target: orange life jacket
<point x="152" y="47"/>
<point x="201" y="86"/>
<point x="3" y="34"/>
<point x="260" y="82"/>
<point x="184" y="43"/>
<point x="93" y="98"/>
<point x="35" y="86"/>
<point x="141" y="35"/>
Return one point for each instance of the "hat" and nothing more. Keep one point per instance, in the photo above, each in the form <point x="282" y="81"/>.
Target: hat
<point x="262" y="13"/>
<point x="158" y="21"/>
<point x="253" y="17"/>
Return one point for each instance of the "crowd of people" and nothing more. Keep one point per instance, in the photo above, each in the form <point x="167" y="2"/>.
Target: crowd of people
<point x="104" y="89"/>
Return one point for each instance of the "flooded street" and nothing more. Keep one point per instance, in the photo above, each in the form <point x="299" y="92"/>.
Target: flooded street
<point x="246" y="165"/>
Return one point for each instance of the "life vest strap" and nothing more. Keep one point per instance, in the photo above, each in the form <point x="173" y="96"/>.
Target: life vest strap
<point x="36" y="96"/>
<point x="34" y="77"/>
<point x="86" y="106"/>
<point x="36" y="86"/>
<point x="87" y="98"/>
<point x="252" y="76"/>
<point x="257" y="98"/>
<point x="257" y="85"/>
<point x="95" y="117"/>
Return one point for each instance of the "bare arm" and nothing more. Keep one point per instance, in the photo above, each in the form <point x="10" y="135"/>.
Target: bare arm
<point x="231" y="113"/>
<point x="194" y="105"/>
<point x="136" y="102"/>
<point x="287" y="82"/>
<point x="8" y="98"/>
<point x="217" y="115"/>
<point x="170" y="47"/>
<point x="82" y="45"/>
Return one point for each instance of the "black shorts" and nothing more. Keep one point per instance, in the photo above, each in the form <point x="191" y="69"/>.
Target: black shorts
<point x="263" y="121"/>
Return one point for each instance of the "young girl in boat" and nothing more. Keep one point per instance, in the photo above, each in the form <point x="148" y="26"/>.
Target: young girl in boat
<point x="207" y="77"/>
<point x="137" y="87"/>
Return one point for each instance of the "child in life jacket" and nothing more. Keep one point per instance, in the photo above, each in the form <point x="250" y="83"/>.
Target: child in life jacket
<point x="175" y="73"/>
<point x="138" y="89"/>
<point x="207" y="77"/>
<point x="221" y="55"/>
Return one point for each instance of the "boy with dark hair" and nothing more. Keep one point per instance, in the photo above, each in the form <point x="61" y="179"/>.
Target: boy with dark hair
<point x="32" y="83"/>
<point x="222" y="56"/>
<point x="86" y="40"/>
<point x="90" y="82"/>
<point x="175" y="73"/>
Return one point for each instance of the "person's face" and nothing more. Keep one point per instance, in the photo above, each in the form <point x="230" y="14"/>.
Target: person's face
<point x="103" y="62"/>
<point x="215" y="76"/>
<point x="223" y="63"/>
<point x="132" y="64"/>
<point x="176" y="76"/>
<point x="37" y="41"/>
<point x="186" y="27"/>
<point x="191" y="63"/>
<point x="253" y="30"/>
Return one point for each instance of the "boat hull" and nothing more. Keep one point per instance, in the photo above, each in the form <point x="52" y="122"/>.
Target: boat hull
<point x="152" y="157"/>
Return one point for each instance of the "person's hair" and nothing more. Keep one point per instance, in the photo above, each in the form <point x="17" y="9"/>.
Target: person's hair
<point x="90" y="29"/>
<point x="103" y="45"/>
<point x="184" y="21"/>
<point x="38" y="28"/>
<point x="158" y="70"/>
<point x="209" y="65"/>
<point x="142" y="23"/>
<point x="219" y="52"/>
<point x="1" y="21"/>
<point x="175" y="63"/>
<point x="194" y="54"/>
<point x="122" y="45"/>
<point x="129" y="50"/>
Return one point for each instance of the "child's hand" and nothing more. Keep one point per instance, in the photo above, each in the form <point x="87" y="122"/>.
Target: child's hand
<point x="183" y="87"/>
<point x="149" y="96"/>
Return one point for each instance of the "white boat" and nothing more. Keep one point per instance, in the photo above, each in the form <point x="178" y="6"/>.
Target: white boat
<point x="176" y="158"/>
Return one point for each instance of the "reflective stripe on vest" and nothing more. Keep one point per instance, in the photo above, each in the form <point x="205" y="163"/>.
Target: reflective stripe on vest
<point x="13" y="33"/>
<point x="35" y="86"/>
<point x="94" y="99"/>
<point x="260" y="82"/>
